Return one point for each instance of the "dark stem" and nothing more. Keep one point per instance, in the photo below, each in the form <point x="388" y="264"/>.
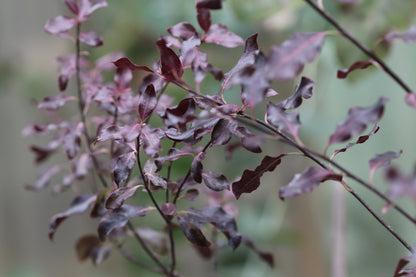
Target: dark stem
<point x="81" y="106"/>
<point x="360" y="46"/>
<point x="168" y="174"/>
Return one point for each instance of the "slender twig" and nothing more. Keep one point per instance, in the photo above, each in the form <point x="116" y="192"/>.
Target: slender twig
<point x="81" y="105"/>
<point x="360" y="46"/>
<point x="168" y="173"/>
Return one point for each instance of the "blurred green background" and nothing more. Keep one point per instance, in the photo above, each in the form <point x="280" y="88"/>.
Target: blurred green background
<point x="298" y="231"/>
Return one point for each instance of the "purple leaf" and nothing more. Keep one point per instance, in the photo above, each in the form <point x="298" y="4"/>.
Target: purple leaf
<point x="78" y="206"/>
<point x="43" y="153"/>
<point x="154" y="178"/>
<point x="168" y="209"/>
<point x="219" y="34"/>
<point x="196" y="167"/>
<point x="72" y="140"/>
<point x="125" y="133"/>
<point x="152" y="79"/>
<point x="209" y="4"/>
<point x="189" y="51"/>
<point x="171" y="65"/>
<point x="125" y="62"/>
<point x="72" y="6"/>
<point x="44" y="179"/>
<point x="410" y="99"/>
<point x="342" y="74"/>
<point x="117" y="198"/>
<point x="250" y="180"/>
<point x="287" y="61"/>
<point x="98" y="209"/>
<point x="183" y="30"/>
<point x="67" y="70"/>
<point x="191" y="194"/>
<point x="150" y="137"/>
<point x="307" y="181"/>
<point x="52" y="103"/>
<point x="249" y="141"/>
<point x="192" y="231"/>
<point x="85" y="245"/>
<point x="147" y="102"/>
<point x="246" y="59"/>
<point x="123" y="167"/>
<point x="360" y="140"/>
<point x="86" y="8"/>
<point x="282" y="120"/>
<point x="178" y="116"/>
<point x="382" y="160"/>
<point x="119" y="217"/>
<point x="60" y="26"/>
<point x="215" y="181"/>
<point x="173" y="155"/>
<point x="91" y="38"/>
<point x="122" y="79"/>
<point x="204" y="18"/>
<point x="303" y="90"/>
<point x="357" y="120"/>
<point x="223" y="131"/>
<point x="408" y="37"/>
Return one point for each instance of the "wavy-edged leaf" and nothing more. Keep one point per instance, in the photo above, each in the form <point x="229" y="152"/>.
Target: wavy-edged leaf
<point x="307" y="181"/>
<point x="119" y="217"/>
<point x="44" y="179"/>
<point x="117" y="198"/>
<point x="283" y="120"/>
<point x="183" y="30"/>
<point x="250" y="180"/>
<point x="223" y="131"/>
<point x="147" y="102"/>
<point x="360" y="140"/>
<point x="215" y="181"/>
<point x="78" y="206"/>
<point x="91" y="38"/>
<point x="356" y="121"/>
<point x="382" y="160"/>
<point x="52" y="103"/>
<point x="60" y="26"/>
<point x="287" y="61"/>
<point x="302" y="90"/>
<point x="219" y="34"/>
<point x="247" y="59"/>
<point x="171" y="65"/>
<point x="342" y="74"/>
<point x="125" y="62"/>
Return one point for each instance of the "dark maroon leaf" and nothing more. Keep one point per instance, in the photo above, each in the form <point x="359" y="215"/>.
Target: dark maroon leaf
<point x="246" y="60"/>
<point x="168" y="209"/>
<point x="60" y="26"/>
<point x="357" y="120"/>
<point x="215" y="181"/>
<point x="307" y="181"/>
<point x="223" y="131"/>
<point x="154" y="178"/>
<point x="360" y="140"/>
<point x="227" y="109"/>
<point x="157" y="82"/>
<point x="125" y="62"/>
<point x="87" y="7"/>
<point x="401" y="264"/>
<point x="123" y="167"/>
<point x="254" y="82"/>
<point x="408" y="37"/>
<point x="119" y="217"/>
<point x="410" y="99"/>
<point x="147" y="102"/>
<point x="250" y="180"/>
<point x="72" y="140"/>
<point x="285" y="62"/>
<point x="209" y="4"/>
<point x="342" y="74"/>
<point x="196" y="167"/>
<point x="264" y="255"/>
<point x="178" y="116"/>
<point x="176" y="135"/>
<point x="150" y="137"/>
<point x="282" y="120"/>
<point x="54" y="102"/>
<point x="249" y="141"/>
<point x="44" y="179"/>
<point x="171" y="65"/>
<point x="219" y="34"/>
<point x="78" y="206"/>
<point x="85" y="245"/>
<point x="91" y="38"/>
<point x="192" y="231"/>
<point x="117" y="198"/>
<point x="183" y="30"/>
<point x="204" y="18"/>
<point x="303" y="90"/>
<point x="382" y="160"/>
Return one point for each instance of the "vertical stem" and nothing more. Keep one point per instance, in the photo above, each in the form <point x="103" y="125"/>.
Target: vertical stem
<point x="338" y="220"/>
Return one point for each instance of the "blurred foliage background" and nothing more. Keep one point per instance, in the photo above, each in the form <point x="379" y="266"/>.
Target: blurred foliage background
<point x="298" y="231"/>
